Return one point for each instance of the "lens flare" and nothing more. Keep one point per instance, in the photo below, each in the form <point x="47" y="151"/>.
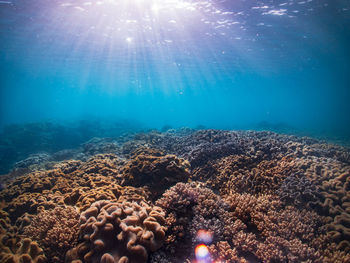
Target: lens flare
<point x="202" y="253"/>
<point x="204" y="236"/>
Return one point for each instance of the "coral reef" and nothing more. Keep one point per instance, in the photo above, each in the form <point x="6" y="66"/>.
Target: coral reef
<point x="222" y="252"/>
<point x="336" y="206"/>
<point x="100" y="145"/>
<point x="258" y="196"/>
<point x="119" y="232"/>
<point x="251" y="227"/>
<point x="191" y="208"/>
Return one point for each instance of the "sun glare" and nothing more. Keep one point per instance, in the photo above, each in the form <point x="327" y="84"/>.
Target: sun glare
<point x="144" y="36"/>
<point x="120" y="19"/>
<point x="155" y="8"/>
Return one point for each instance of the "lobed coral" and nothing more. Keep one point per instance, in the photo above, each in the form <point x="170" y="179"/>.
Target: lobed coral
<point x="25" y="251"/>
<point x="71" y="183"/>
<point x="119" y="232"/>
<point x="299" y="191"/>
<point x="336" y="206"/>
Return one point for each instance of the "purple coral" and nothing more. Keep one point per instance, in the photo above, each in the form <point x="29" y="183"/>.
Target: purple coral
<point x="299" y="190"/>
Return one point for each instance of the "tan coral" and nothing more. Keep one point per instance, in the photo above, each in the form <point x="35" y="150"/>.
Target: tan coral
<point x="273" y="232"/>
<point x="223" y="252"/>
<point x="66" y="176"/>
<point x="71" y="183"/>
<point x="55" y="230"/>
<point x="26" y="251"/>
<point x="83" y="198"/>
<point x="32" y="203"/>
<point x="119" y="232"/>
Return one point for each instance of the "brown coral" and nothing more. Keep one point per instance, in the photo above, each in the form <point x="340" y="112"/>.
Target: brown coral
<point x="336" y="206"/>
<point x="242" y="173"/>
<point x="55" y="230"/>
<point x="249" y="224"/>
<point x="26" y="251"/>
<point x="223" y="252"/>
<point x="32" y="203"/>
<point x="119" y="232"/>
<point x="83" y="198"/>
<point x="190" y="208"/>
<point x="254" y="189"/>
<point x="69" y="183"/>
<point x="149" y="167"/>
<point x="276" y="233"/>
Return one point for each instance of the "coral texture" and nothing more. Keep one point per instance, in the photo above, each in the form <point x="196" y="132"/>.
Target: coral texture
<point x="300" y="191"/>
<point x="119" y="232"/>
<point x="156" y="170"/>
<point x="252" y="227"/>
<point x="55" y="230"/>
<point x="26" y="251"/>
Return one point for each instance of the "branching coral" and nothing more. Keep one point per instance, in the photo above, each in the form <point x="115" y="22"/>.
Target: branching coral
<point x="190" y="208"/>
<point x="245" y="174"/>
<point x="249" y="225"/>
<point x="223" y="252"/>
<point x="55" y="230"/>
<point x="275" y="233"/>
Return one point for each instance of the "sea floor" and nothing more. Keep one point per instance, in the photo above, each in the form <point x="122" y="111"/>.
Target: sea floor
<point x="179" y="196"/>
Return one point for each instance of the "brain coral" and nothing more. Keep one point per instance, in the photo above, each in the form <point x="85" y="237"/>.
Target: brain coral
<point x="119" y="232"/>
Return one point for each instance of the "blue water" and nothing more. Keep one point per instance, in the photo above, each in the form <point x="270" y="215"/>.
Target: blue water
<point x="222" y="64"/>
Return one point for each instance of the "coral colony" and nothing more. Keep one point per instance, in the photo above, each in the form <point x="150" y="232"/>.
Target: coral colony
<point x="180" y="196"/>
